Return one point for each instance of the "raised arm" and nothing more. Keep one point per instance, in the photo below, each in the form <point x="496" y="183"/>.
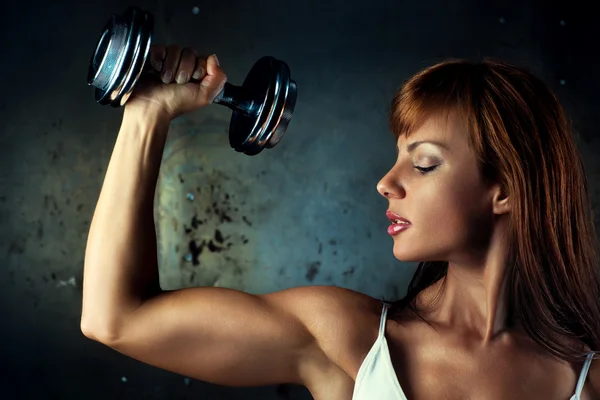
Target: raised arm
<point x="217" y="335"/>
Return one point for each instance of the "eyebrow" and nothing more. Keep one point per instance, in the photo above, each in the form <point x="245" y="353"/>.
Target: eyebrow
<point x="411" y="147"/>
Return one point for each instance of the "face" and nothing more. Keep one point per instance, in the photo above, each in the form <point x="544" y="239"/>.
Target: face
<point x="438" y="188"/>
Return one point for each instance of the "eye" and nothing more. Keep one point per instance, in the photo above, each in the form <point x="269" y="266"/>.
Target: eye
<point x="427" y="170"/>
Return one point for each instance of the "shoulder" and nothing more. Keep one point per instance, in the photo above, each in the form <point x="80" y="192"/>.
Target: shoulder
<point x="310" y="303"/>
<point x="329" y="311"/>
<point x="344" y="299"/>
<point x="343" y="322"/>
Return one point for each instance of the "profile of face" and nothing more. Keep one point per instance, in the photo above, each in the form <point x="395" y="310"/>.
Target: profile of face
<point x="439" y="189"/>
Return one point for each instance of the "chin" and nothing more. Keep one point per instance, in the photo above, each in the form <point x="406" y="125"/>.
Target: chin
<point x="407" y="255"/>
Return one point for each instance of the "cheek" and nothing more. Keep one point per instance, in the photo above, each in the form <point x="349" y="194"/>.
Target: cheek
<point x="442" y="224"/>
<point x="449" y="212"/>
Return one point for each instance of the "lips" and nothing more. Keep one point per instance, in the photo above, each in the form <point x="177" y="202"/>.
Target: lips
<point x="395" y="218"/>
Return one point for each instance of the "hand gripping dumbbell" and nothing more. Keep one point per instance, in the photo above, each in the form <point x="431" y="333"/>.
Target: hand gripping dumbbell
<point x="262" y="106"/>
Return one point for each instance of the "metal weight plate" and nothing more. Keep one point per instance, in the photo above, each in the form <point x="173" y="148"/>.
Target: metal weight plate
<point x="270" y="85"/>
<point x="120" y="56"/>
<point x="285" y="93"/>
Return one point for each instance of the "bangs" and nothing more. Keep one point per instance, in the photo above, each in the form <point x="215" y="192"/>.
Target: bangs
<point x="447" y="87"/>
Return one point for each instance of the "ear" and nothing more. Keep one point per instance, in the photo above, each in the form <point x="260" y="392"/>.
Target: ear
<point x="500" y="200"/>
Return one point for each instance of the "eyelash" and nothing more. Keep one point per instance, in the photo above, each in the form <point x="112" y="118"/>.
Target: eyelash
<point x="427" y="170"/>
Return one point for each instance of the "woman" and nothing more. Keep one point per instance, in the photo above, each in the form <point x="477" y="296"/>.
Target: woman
<point x="506" y="305"/>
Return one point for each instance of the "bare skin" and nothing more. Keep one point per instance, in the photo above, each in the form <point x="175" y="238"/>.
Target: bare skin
<point x="315" y="336"/>
<point x="458" y="218"/>
<point x="455" y="217"/>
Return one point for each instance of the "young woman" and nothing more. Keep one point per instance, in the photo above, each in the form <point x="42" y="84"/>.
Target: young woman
<point x="488" y="191"/>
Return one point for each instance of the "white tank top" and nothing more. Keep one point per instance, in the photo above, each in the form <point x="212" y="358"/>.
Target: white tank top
<point x="376" y="378"/>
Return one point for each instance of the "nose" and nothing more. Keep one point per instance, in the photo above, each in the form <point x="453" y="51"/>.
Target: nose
<point x="388" y="186"/>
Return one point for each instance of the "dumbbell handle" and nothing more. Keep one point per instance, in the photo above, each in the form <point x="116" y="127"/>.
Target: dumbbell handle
<point x="237" y="99"/>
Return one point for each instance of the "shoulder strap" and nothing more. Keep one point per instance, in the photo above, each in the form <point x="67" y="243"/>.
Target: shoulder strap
<point x="583" y="375"/>
<point x="383" y="319"/>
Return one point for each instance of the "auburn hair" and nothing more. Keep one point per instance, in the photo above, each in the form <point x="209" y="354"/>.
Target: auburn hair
<point x="524" y="141"/>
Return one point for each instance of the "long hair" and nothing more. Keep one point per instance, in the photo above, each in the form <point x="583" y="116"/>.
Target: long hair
<point x="523" y="140"/>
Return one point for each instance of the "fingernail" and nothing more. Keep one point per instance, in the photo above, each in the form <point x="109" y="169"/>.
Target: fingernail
<point x="216" y="60"/>
<point x="197" y="74"/>
<point x="181" y="78"/>
<point x="167" y="77"/>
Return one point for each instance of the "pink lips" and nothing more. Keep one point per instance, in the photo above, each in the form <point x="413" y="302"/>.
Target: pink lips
<point x="396" y="228"/>
<point x="393" y="216"/>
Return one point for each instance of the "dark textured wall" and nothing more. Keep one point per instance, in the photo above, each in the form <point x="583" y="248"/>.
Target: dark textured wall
<point x="304" y="213"/>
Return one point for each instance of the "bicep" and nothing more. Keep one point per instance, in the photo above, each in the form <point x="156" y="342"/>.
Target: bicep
<point x="219" y="335"/>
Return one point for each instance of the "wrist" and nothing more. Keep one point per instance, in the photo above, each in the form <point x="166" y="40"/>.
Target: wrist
<point x="149" y="117"/>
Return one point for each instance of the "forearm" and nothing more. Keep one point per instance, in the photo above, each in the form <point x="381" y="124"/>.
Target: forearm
<point x="121" y="266"/>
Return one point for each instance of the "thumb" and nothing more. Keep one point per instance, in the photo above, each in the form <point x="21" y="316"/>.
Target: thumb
<point x="214" y="80"/>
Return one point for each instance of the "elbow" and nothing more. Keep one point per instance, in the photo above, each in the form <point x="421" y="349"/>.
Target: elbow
<point x="88" y="331"/>
<point x="102" y="333"/>
<point x="100" y="323"/>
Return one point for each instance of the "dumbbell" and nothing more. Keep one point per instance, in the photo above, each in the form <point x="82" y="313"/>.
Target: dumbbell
<point x="262" y="107"/>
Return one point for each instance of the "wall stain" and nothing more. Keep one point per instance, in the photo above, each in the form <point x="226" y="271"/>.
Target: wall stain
<point x="313" y="270"/>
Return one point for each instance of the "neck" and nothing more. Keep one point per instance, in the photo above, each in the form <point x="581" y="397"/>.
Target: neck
<point x="472" y="298"/>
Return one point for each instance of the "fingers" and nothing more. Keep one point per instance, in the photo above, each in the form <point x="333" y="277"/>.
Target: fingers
<point x="177" y="64"/>
<point x="171" y="63"/>
<point x="157" y="56"/>
<point x="187" y="61"/>
<point x="200" y="70"/>
<point x="215" y="78"/>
